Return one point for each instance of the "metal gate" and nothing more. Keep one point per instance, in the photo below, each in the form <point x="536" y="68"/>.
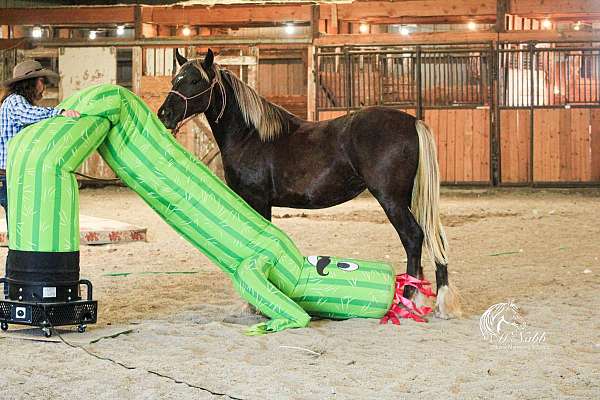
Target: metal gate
<point x="505" y="113"/>
<point x="449" y="86"/>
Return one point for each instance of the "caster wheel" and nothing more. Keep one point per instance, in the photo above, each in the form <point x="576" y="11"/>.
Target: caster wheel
<point x="47" y="332"/>
<point x="81" y="328"/>
<point x="4" y="326"/>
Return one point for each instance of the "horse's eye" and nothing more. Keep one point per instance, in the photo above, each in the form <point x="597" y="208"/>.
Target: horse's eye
<point x="347" y="266"/>
<point x="195" y="81"/>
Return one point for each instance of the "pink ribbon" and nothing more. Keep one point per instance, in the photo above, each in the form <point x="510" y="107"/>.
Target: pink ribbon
<point x="408" y="309"/>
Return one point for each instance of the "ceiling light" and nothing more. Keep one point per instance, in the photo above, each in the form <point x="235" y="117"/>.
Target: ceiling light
<point x="36" y="32"/>
<point x="472" y="25"/>
<point x="404" y="31"/>
<point x="290" y="29"/>
<point x="546" y="24"/>
<point x="363" y="28"/>
<point x="92" y="35"/>
<point x="186" y="31"/>
<point x="120" y="30"/>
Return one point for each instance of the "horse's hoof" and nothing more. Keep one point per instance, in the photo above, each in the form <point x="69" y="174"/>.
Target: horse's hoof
<point x="442" y="315"/>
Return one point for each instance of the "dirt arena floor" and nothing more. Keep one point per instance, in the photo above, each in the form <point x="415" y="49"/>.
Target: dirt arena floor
<point x="540" y="249"/>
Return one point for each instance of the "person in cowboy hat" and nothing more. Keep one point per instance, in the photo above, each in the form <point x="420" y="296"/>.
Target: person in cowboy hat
<point x="18" y="109"/>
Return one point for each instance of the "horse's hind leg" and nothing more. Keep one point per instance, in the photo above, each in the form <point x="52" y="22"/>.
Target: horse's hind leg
<point x="441" y="280"/>
<point x="447" y="303"/>
<point x="409" y="231"/>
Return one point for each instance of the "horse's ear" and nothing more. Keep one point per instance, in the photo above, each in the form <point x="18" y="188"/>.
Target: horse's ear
<point x="208" y="60"/>
<point x="180" y="59"/>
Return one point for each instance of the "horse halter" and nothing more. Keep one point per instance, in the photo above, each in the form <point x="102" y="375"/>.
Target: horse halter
<point x="186" y="98"/>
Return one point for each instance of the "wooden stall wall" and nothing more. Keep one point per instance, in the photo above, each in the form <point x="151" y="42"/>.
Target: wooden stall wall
<point x="463" y="143"/>
<point x="562" y="145"/>
<point x="566" y="145"/>
<point x="284" y="81"/>
<point x="515" y="142"/>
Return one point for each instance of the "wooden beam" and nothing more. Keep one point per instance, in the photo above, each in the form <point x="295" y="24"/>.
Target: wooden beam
<point x="549" y="8"/>
<point x="220" y="15"/>
<point x="67" y="15"/>
<point x="367" y="10"/>
<point x="453" y="37"/>
<point x="15" y="44"/>
<point x="230" y="41"/>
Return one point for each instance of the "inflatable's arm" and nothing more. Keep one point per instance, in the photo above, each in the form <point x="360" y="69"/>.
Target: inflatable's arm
<point x="251" y="281"/>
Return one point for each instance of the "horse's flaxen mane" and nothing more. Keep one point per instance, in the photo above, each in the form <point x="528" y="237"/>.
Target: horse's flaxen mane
<point x="269" y="119"/>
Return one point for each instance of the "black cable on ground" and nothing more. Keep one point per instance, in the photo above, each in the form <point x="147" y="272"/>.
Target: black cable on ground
<point x="122" y="365"/>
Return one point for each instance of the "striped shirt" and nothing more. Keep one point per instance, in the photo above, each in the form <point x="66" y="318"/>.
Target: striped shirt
<point x="15" y="114"/>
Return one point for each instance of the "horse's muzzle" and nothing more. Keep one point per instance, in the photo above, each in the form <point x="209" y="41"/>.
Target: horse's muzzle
<point x="166" y="117"/>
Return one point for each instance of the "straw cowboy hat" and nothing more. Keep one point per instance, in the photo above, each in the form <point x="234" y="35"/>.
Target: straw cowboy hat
<point x="30" y="69"/>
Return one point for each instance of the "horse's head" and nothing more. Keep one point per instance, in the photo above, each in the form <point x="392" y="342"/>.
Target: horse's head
<point x="192" y="91"/>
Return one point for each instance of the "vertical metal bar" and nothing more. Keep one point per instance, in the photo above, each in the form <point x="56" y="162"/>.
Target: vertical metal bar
<point x="348" y="80"/>
<point x="445" y="77"/>
<point x="495" y="148"/>
<point x="567" y="77"/>
<point x="464" y="71"/>
<point x="531" y="113"/>
<point x="557" y="61"/>
<point x="381" y="66"/>
<point x="419" y="105"/>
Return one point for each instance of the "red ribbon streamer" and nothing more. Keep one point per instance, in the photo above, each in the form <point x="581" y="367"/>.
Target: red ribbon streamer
<point x="408" y="309"/>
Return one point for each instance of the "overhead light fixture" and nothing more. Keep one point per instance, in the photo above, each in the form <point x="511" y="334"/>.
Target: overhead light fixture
<point x="577" y="26"/>
<point x="290" y="29"/>
<point x="556" y="90"/>
<point x="120" y="30"/>
<point x="472" y="25"/>
<point x="186" y="31"/>
<point x="546" y="24"/>
<point x="36" y="32"/>
<point x="404" y="31"/>
<point x="92" y="35"/>
<point x="363" y="28"/>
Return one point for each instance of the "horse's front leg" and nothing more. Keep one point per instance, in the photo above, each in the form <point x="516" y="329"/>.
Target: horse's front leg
<point x="262" y="207"/>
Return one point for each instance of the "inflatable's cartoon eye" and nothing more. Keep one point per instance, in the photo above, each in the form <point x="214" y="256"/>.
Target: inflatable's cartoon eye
<point x="347" y="266"/>
<point x="313" y="260"/>
<point x="320" y="262"/>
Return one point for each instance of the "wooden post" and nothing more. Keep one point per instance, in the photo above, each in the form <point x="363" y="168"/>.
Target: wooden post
<point x="501" y="9"/>
<point x="139" y="24"/>
<point x="314" y="21"/>
<point x="136" y="69"/>
<point x="311" y="85"/>
<point x="253" y="69"/>
<point x="333" y="25"/>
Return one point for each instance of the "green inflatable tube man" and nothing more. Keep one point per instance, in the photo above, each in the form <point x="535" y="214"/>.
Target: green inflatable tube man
<point x="264" y="264"/>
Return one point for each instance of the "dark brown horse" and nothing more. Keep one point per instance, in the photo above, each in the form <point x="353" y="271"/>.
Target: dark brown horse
<point x="273" y="158"/>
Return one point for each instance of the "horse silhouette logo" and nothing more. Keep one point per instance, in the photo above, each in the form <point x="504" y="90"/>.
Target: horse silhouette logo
<point x="502" y="323"/>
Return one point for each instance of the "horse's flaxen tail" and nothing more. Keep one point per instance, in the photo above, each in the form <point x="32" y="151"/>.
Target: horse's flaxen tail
<point x="425" y="207"/>
<point x="426" y="197"/>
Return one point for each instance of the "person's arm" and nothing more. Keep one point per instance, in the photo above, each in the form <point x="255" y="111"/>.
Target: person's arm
<point x="28" y="114"/>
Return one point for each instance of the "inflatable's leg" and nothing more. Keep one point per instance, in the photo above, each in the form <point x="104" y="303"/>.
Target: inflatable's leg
<point x="251" y="281"/>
